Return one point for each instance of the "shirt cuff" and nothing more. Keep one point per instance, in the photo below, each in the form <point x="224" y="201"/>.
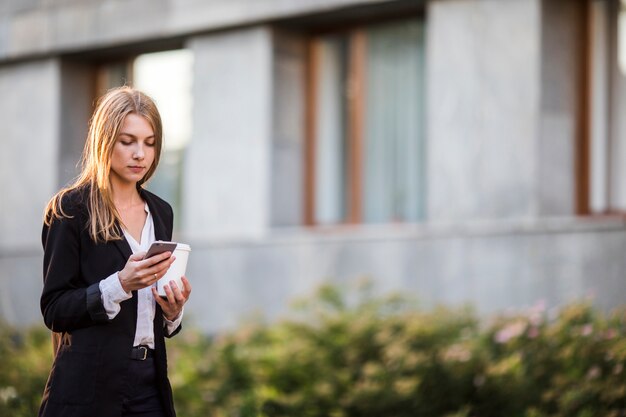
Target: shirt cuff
<point x="172" y="325"/>
<point x="113" y="294"/>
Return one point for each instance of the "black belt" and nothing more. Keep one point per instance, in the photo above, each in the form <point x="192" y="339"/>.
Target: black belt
<point x="141" y="353"/>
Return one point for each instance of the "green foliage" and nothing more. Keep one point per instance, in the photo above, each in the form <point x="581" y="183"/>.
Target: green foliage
<point x="26" y="358"/>
<point x="384" y="357"/>
<point x="353" y="355"/>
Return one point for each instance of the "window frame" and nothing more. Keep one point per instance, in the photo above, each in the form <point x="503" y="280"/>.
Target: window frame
<point x="356" y="104"/>
<point x="606" y="38"/>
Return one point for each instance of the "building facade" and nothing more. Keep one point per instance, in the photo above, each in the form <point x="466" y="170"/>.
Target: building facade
<point x="460" y="151"/>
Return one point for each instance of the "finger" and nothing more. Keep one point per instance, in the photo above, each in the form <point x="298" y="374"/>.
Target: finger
<point x="186" y="286"/>
<point x="178" y="295"/>
<point x="161" y="268"/>
<point x="168" y="309"/>
<point x="159" y="300"/>
<point x="169" y="295"/>
<point x="166" y="263"/>
<point x="137" y="256"/>
<point x="148" y="279"/>
<point x="153" y="260"/>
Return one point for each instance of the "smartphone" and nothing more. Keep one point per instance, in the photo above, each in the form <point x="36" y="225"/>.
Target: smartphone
<point x="159" y="247"/>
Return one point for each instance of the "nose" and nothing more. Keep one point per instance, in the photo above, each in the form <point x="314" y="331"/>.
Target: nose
<point x="139" y="152"/>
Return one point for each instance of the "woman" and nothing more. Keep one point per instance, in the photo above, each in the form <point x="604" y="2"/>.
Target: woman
<point x="99" y="295"/>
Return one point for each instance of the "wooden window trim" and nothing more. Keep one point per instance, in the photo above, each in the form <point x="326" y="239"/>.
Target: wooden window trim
<point x="355" y="127"/>
<point x="310" y="157"/>
<point x="356" y="104"/>
<point x="584" y="124"/>
<point x="356" y="119"/>
<point x="582" y="163"/>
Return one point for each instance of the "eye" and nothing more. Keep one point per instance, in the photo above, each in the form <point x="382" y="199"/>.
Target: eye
<point x="124" y="139"/>
<point x="151" y="144"/>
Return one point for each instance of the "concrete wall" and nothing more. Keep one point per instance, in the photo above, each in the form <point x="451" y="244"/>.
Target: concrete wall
<point x="483" y="60"/>
<point x="21" y="280"/>
<point x="494" y="267"/>
<point x="226" y="190"/>
<point x="29" y="116"/>
<point x="31" y="27"/>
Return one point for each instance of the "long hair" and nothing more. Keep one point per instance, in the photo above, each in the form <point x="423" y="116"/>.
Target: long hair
<point x="104" y="127"/>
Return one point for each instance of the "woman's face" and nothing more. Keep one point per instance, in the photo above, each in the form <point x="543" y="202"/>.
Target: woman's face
<point x="133" y="151"/>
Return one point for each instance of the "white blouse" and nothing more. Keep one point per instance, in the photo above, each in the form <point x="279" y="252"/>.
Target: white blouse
<point x="113" y="293"/>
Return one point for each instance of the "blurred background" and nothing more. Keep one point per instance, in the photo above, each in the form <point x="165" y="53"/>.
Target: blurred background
<point x="456" y="152"/>
<point x="461" y="151"/>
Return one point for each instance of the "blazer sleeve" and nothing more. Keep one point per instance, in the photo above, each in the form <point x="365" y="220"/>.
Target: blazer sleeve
<point x="68" y="302"/>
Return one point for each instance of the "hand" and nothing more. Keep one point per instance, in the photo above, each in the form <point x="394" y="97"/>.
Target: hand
<point x="175" y="299"/>
<point x="140" y="273"/>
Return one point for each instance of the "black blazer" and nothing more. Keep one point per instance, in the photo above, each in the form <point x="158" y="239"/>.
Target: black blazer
<point x="92" y="353"/>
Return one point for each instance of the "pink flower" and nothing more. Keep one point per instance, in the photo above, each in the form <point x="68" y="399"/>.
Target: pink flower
<point x="537" y="312"/>
<point x="594" y="372"/>
<point x="511" y="331"/>
<point x="533" y="332"/>
<point x="586" y="330"/>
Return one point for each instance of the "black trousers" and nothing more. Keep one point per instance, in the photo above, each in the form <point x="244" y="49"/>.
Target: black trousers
<point x="141" y="398"/>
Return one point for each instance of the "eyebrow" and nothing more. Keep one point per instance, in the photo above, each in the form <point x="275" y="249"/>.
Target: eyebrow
<point x="133" y="136"/>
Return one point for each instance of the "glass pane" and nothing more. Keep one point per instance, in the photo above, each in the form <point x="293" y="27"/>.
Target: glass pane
<point x="621" y="42"/>
<point x="331" y="152"/>
<point x="617" y="150"/>
<point x="167" y="78"/>
<point x="113" y="74"/>
<point x="599" y="144"/>
<point x="394" y="123"/>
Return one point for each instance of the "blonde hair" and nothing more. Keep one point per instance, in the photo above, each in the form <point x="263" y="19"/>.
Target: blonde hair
<point x="104" y="127"/>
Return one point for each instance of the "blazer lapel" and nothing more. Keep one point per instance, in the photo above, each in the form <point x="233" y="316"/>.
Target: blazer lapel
<point x="123" y="247"/>
<point x="160" y="230"/>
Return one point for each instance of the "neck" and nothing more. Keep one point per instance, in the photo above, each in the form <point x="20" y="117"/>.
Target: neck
<point x="125" y="195"/>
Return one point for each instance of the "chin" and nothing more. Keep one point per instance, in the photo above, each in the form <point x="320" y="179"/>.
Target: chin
<point x="132" y="180"/>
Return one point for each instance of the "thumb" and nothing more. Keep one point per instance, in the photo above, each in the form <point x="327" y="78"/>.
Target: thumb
<point x="137" y="256"/>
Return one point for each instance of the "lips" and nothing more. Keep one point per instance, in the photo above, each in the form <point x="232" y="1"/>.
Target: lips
<point x="136" y="169"/>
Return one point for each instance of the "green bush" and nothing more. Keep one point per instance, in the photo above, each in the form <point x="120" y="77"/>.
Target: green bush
<point x="384" y="357"/>
<point x="26" y="358"/>
<point x="360" y="356"/>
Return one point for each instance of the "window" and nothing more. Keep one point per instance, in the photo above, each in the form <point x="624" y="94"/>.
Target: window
<point x="607" y="148"/>
<point x="365" y="134"/>
<point x="166" y="77"/>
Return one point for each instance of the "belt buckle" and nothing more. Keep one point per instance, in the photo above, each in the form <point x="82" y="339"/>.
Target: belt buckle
<point x="145" y="352"/>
